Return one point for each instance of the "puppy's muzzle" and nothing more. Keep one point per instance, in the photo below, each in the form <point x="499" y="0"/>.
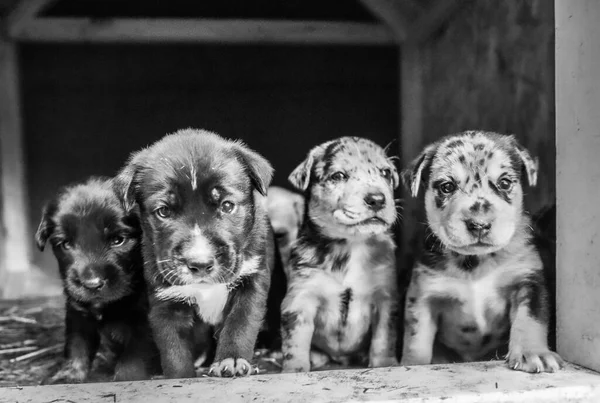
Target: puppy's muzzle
<point x="94" y="277"/>
<point x="478" y="228"/>
<point x="375" y="201"/>
<point x="198" y="265"/>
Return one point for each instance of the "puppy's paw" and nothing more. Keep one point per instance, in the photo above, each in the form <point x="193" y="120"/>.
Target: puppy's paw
<point x="295" y="365"/>
<point x="534" y="361"/>
<point x="70" y="372"/>
<point x="231" y="367"/>
<point x="375" y="362"/>
<point x="318" y="359"/>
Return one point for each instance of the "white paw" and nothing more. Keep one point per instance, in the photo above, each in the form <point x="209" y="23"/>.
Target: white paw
<point x="231" y="367"/>
<point x="383" y="361"/>
<point x="534" y="361"/>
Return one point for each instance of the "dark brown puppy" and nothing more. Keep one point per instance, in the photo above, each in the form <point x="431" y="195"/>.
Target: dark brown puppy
<point x="207" y="245"/>
<point x="96" y="244"/>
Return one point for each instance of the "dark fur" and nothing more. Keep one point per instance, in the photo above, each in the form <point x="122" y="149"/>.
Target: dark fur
<point x="162" y="175"/>
<point x="89" y="217"/>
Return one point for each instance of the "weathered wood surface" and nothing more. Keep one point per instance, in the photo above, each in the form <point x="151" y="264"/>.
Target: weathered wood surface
<point x="477" y="382"/>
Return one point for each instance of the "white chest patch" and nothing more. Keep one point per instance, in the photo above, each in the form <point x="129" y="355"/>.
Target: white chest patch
<point x="209" y="299"/>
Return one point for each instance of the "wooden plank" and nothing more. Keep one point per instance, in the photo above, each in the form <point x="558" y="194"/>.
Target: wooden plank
<point x="578" y="180"/>
<point x="390" y="13"/>
<point x="16" y="239"/>
<point x="411" y="143"/>
<point x="201" y="31"/>
<point x="24" y="11"/>
<point x="476" y="382"/>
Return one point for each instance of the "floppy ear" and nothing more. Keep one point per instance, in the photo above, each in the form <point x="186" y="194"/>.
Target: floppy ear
<point x="259" y="169"/>
<point x="413" y="175"/>
<point x="300" y="176"/>
<point x="531" y="164"/>
<point x="124" y="182"/>
<point x="46" y="226"/>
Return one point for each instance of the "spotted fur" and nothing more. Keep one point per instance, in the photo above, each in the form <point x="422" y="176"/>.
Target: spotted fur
<point x="341" y="298"/>
<point x="479" y="289"/>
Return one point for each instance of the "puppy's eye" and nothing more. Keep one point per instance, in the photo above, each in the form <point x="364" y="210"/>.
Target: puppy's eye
<point x="386" y="173"/>
<point x="505" y="184"/>
<point x="447" y="187"/>
<point x="163" y="212"/>
<point x="118" y="240"/>
<point x="227" y="207"/>
<point x="65" y="245"/>
<point x="338" y="176"/>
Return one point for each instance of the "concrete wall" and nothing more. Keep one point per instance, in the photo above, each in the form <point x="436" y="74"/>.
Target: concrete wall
<point x="578" y="180"/>
<point x="86" y="107"/>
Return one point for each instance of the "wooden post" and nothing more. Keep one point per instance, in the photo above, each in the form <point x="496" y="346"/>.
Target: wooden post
<point x="578" y="180"/>
<point x="411" y="139"/>
<point x="15" y="236"/>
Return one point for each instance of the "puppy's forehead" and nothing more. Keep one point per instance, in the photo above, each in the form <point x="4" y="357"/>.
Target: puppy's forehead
<point x="192" y="164"/>
<point x="351" y="152"/>
<point x="474" y="154"/>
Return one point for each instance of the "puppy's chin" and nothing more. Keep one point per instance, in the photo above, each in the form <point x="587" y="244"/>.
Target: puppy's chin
<point x="463" y="243"/>
<point x="181" y="275"/>
<point x="346" y="225"/>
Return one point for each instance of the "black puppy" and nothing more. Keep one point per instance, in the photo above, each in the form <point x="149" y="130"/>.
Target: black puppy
<point x="207" y="245"/>
<point x="96" y="243"/>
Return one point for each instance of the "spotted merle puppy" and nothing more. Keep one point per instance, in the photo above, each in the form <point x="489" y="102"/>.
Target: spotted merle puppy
<point x="342" y="290"/>
<point x="96" y="243"/>
<point x="207" y="245"/>
<point x="480" y="284"/>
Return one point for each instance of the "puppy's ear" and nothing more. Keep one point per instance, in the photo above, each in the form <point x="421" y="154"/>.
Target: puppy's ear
<point x="531" y="164"/>
<point x="300" y="176"/>
<point x="124" y="181"/>
<point x="259" y="169"/>
<point x="413" y="175"/>
<point x="46" y="226"/>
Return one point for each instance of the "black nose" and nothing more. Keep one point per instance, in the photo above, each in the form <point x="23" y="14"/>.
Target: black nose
<point x="478" y="228"/>
<point x="198" y="266"/>
<point x="375" y="201"/>
<point x="93" y="283"/>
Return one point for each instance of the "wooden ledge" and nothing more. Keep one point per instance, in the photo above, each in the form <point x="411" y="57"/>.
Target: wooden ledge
<point x="476" y="382"/>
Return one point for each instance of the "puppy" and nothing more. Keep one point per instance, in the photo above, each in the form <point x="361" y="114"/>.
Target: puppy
<point x="480" y="282"/>
<point x="286" y="210"/>
<point x="342" y="290"/>
<point x="96" y="243"/>
<point x="207" y="245"/>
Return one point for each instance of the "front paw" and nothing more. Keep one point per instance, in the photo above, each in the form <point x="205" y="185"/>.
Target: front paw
<point x="382" y="361"/>
<point x="292" y="364"/>
<point x="534" y="361"/>
<point x="230" y="367"/>
<point x="70" y="372"/>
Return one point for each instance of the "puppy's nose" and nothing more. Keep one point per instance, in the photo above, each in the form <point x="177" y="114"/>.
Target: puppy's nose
<point x="200" y="266"/>
<point x="93" y="283"/>
<point x="375" y="201"/>
<point x="478" y="228"/>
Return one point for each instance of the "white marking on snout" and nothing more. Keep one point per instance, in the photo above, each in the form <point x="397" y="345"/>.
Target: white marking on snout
<point x="200" y="246"/>
<point x="209" y="299"/>
<point x="193" y="177"/>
